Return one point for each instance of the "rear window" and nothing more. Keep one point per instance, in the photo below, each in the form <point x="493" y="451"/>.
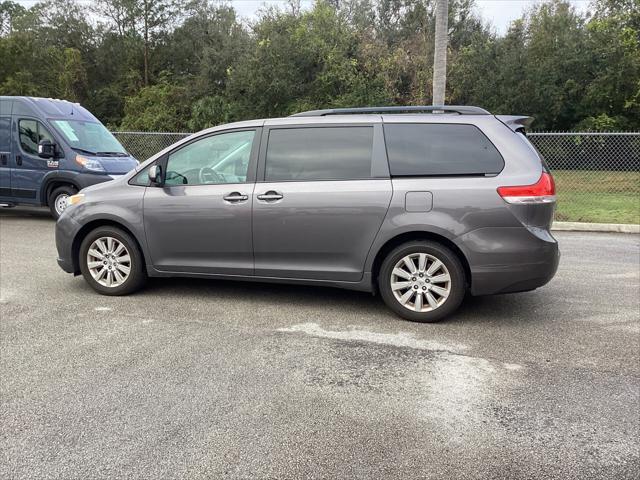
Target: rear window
<point x="440" y="149"/>
<point x="319" y="153"/>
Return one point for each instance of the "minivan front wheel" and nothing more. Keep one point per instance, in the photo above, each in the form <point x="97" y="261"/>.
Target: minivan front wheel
<point x="111" y="262"/>
<point x="422" y="281"/>
<point x="58" y="199"/>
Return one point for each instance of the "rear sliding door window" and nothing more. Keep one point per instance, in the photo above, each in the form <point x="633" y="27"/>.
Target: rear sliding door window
<point x="440" y="149"/>
<point x="319" y="153"/>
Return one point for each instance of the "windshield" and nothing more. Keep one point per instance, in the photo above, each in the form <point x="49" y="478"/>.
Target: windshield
<point x="90" y="137"/>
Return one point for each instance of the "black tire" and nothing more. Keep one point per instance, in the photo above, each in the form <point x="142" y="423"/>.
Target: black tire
<point x="56" y="193"/>
<point x="137" y="274"/>
<point x="451" y="262"/>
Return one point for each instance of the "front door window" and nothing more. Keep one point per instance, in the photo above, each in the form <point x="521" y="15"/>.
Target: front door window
<point x="217" y="159"/>
<point x="31" y="133"/>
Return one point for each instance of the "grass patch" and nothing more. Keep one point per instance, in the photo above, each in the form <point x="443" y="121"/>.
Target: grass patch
<point x="597" y="196"/>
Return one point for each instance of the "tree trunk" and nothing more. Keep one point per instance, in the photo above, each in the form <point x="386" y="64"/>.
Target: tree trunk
<point x="440" y="52"/>
<point x="146" y="61"/>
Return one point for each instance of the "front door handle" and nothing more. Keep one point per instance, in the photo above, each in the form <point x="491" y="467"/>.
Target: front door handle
<point x="235" y="197"/>
<point x="271" y="195"/>
<point x="18" y="160"/>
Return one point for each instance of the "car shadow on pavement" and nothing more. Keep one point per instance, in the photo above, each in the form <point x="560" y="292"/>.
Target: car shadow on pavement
<point x="24" y="212"/>
<point x="259" y="291"/>
<point x="503" y="309"/>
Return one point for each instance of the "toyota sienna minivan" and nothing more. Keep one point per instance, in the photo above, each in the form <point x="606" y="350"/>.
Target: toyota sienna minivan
<point x="50" y="149"/>
<point x="418" y="204"/>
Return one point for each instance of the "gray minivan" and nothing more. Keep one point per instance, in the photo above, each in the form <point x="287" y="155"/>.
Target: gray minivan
<point x="50" y="149"/>
<point x="420" y="204"/>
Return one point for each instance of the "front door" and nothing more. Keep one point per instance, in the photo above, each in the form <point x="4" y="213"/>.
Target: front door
<point x="5" y="155"/>
<point x="199" y="221"/>
<point x="325" y="193"/>
<point x="29" y="169"/>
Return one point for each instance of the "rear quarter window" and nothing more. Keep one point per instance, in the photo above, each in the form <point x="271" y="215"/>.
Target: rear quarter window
<point x="440" y="150"/>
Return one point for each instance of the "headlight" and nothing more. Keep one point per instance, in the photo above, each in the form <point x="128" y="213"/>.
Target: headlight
<point x="75" y="199"/>
<point x="90" y="163"/>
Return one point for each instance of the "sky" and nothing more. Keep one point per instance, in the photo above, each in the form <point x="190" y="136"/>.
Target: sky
<point x="498" y="12"/>
<point x="501" y="12"/>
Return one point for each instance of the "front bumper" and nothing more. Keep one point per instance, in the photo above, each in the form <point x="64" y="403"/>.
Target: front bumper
<point x="66" y="230"/>
<point x="508" y="260"/>
<point x="65" y="264"/>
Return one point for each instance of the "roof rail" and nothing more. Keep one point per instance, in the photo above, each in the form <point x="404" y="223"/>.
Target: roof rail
<point x="459" y="109"/>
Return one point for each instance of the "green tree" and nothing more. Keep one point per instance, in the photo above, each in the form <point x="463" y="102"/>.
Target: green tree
<point x="146" y="19"/>
<point x="202" y="50"/>
<point x="172" y="65"/>
<point x="158" y="108"/>
<point x="302" y="61"/>
<point x="73" y="76"/>
<point x="10" y="15"/>
<point x="611" y="97"/>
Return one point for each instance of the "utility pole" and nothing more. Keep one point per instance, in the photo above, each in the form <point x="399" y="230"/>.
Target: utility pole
<point x="145" y="24"/>
<point x="440" y="52"/>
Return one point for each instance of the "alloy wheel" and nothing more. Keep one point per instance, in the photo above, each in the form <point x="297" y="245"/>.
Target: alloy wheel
<point x="420" y="282"/>
<point x="109" y="262"/>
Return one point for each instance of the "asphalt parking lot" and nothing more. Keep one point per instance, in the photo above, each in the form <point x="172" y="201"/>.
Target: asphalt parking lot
<point x="205" y="379"/>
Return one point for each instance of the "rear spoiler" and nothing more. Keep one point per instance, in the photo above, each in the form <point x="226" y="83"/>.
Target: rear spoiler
<point x="517" y="123"/>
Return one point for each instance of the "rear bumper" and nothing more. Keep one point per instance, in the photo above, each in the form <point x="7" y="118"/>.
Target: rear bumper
<point x="508" y="260"/>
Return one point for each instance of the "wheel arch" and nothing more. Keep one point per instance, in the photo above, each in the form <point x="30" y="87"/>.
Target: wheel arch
<point x="54" y="182"/>
<point x="405" y="237"/>
<point x="92" y="225"/>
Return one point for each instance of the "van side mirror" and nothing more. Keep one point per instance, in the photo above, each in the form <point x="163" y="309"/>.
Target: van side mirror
<point x="46" y="149"/>
<point x="155" y="174"/>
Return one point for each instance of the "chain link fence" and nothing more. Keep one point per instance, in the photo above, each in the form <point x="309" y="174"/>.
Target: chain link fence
<point x="597" y="174"/>
<point x="143" y="145"/>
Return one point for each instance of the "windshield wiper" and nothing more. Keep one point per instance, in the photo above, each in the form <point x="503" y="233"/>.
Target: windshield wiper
<point x="82" y="150"/>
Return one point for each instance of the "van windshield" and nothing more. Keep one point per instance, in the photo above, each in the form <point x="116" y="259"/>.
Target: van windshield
<point x="89" y="137"/>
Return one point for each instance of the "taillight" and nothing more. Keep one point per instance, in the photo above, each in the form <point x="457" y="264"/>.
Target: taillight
<point x="543" y="191"/>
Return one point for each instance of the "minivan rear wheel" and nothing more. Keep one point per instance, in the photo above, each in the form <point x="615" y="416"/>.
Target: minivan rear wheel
<point x="422" y="281"/>
<point x="111" y="262"/>
<point x="58" y="199"/>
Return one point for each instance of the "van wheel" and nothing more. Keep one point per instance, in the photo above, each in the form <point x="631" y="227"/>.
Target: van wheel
<point x="422" y="281"/>
<point x="111" y="262"/>
<point x="58" y="199"/>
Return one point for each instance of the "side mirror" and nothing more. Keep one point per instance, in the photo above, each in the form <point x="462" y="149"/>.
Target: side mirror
<point x="155" y="174"/>
<point x="46" y="149"/>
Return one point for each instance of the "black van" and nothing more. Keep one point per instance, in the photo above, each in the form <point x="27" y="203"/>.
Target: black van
<point x="50" y="149"/>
